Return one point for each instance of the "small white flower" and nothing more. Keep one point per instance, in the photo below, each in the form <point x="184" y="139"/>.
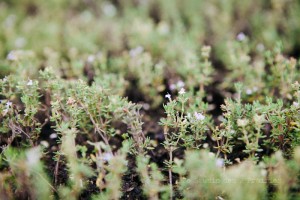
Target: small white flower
<point x="221" y="118"/>
<point x="180" y="84"/>
<point x="136" y="51"/>
<point x="220" y="162"/>
<point x="205" y="145"/>
<point x="248" y="91"/>
<point x="44" y="143"/>
<point x="20" y="42"/>
<point x="5" y="79"/>
<point x="264" y="172"/>
<point x="242" y="122"/>
<point x="296" y="104"/>
<point x="172" y="87"/>
<point x="33" y="156"/>
<point x="91" y="58"/>
<point x="189" y="115"/>
<point x="109" y="10"/>
<point x="260" y="47"/>
<point x="8" y="104"/>
<point x="168" y="96"/>
<point x="30" y="82"/>
<point x="53" y="136"/>
<point x="241" y="36"/>
<point x="107" y="156"/>
<point x="146" y="106"/>
<point x="12" y="56"/>
<point x="182" y="91"/>
<point x="199" y="116"/>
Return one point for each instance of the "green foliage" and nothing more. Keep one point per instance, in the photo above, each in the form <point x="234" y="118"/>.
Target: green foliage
<point x="27" y="175"/>
<point x="116" y="168"/>
<point x="151" y="177"/>
<point x="203" y="176"/>
<point x="185" y="95"/>
<point x="249" y="123"/>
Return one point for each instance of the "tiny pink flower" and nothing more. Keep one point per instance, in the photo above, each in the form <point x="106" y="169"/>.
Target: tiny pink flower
<point x="180" y="84"/>
<point x="241" y="36"/>
<point x="12" y="56"/>
<point x="199" y="116"/>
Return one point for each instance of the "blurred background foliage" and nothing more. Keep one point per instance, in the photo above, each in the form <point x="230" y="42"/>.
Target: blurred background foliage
<point x="110" y="35"/>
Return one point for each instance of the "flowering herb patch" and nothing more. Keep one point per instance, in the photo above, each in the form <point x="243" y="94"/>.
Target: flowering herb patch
<point x="149" y="99"/>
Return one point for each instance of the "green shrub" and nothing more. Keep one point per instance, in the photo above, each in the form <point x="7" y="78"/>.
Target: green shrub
<point x="149" y="99"/>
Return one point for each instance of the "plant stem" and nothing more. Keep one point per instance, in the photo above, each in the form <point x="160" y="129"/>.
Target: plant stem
<point x="56" y="170"/>
<point x="170" y="173"/>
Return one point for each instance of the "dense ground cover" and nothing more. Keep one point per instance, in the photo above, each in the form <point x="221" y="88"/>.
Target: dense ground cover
<point x="149" y="99"/>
